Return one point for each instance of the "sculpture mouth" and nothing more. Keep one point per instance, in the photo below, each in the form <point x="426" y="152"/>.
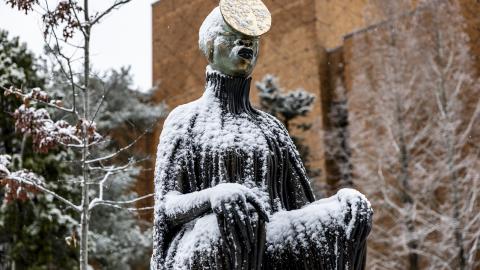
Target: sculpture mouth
<point x="246" y="53"/>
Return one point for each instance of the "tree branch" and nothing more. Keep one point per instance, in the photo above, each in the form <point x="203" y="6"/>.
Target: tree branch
<point x="130" y="201"/>
<point x="117" y="4"/>
<point x="119" y="151"/>
<point x="46" y="190"/>
<point x="17" y="92"/>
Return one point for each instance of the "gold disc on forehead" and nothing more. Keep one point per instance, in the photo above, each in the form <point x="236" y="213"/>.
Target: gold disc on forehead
<point x="249" y="17"/>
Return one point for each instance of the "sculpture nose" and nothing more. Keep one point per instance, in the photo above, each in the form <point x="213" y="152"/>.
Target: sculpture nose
<point x="244" y="42"/>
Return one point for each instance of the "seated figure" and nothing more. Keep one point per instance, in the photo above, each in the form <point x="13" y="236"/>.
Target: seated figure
<point x="230" y="189"/>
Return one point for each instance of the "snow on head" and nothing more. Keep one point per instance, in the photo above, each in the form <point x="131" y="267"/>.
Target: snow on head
<point x="210" y="28"/>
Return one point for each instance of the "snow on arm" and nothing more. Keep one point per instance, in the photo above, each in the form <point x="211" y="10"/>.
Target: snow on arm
<point x="314" y="223"/>
<point x="180" y="206"/>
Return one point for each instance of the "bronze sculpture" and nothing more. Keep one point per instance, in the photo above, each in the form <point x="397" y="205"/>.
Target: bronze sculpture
<point x="230" y="189"/>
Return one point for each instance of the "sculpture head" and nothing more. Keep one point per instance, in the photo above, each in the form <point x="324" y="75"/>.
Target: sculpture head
<point x="229" y="36"/>
<point x="226" y="49"/>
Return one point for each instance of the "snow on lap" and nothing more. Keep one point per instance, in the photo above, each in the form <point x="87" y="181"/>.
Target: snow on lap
<point x="312" y="225"/>
<point x="287" y="232"/>
<point x="200" y="237"/>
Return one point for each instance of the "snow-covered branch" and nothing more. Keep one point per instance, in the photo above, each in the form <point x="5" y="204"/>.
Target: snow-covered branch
<point x="131" y="201"/>
<point x="19" y="183"/>
<point x="119" y="151"/>
<point x="118" y="204"/>
<point x="39" y="96"/>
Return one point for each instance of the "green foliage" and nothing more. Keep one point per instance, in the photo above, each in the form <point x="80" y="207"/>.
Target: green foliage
<point x="32" y="232"/>
<point x="17" y="67"/>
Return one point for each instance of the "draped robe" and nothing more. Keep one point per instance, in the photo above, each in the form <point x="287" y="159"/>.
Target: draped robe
<point x="221" y="138"/>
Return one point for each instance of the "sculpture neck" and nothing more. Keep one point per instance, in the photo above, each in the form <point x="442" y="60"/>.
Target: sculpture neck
<point x="231" y="92"/>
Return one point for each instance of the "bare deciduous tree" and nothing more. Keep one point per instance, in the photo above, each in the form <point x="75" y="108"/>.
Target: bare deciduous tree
<point x="414" y="111"/>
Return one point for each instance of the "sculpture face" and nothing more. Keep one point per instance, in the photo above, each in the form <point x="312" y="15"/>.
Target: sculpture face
<point x="233" y="53"/>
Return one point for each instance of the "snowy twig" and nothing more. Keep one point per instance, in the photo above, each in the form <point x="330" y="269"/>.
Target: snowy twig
<point x="119" y="151"/>
<point x="99" y="199"/>
<point x="130" y="201"/>
<point x="117" y="168"/>
<point x="124" y="208"/>
<point x="81" y="145"/>
<point x="18" y="92"/>
<point x="46" y="190"/>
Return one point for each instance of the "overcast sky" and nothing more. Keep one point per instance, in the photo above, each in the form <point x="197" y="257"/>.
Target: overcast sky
<point x="122" y="39"/>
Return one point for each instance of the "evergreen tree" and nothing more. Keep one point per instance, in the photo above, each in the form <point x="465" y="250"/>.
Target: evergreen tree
<point x="31" y="232"/>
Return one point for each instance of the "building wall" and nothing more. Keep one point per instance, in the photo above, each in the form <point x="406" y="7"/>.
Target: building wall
<point x="470" y="10"/>
<point x="362" y="50"/>
<point x="299" y="49"/>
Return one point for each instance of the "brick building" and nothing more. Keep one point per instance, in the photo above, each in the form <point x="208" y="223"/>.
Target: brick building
<point x="325" y="47"/>
<point x="309" y="46"/>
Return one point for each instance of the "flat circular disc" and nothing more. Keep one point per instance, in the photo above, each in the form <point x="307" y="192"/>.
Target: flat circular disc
<point x="249" y="17"/>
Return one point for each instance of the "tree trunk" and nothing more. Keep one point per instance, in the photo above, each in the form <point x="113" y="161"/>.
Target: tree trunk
<point x="84" y="240"/>
<point x="452" y="172"/>
<point x="85" y="185"/>
<point x="404" y="179"/>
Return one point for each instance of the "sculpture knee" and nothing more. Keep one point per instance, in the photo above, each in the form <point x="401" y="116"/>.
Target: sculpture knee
<point x="328" y="233"/>
<point x="357" y="212"/>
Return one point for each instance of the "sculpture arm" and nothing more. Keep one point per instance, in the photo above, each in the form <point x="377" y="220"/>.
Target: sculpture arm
<point x="183" y="208"/>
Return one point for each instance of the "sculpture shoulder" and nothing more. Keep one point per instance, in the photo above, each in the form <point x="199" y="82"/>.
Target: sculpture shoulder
<point x="181" y="114"/>
<point x="274" y="128"/>
<point x="178" y="120"/>
<point x="272" y="122"/>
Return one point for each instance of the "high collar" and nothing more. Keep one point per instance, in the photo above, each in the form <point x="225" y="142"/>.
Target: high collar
<point x="231" y="92"/>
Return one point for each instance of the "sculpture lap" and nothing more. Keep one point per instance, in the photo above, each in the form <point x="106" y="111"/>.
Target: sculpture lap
<point x="327" y="234"/>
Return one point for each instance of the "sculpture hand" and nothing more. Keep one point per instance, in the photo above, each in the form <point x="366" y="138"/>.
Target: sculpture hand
<point x="228" y="192"/>
<point x="229" y="203"/>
